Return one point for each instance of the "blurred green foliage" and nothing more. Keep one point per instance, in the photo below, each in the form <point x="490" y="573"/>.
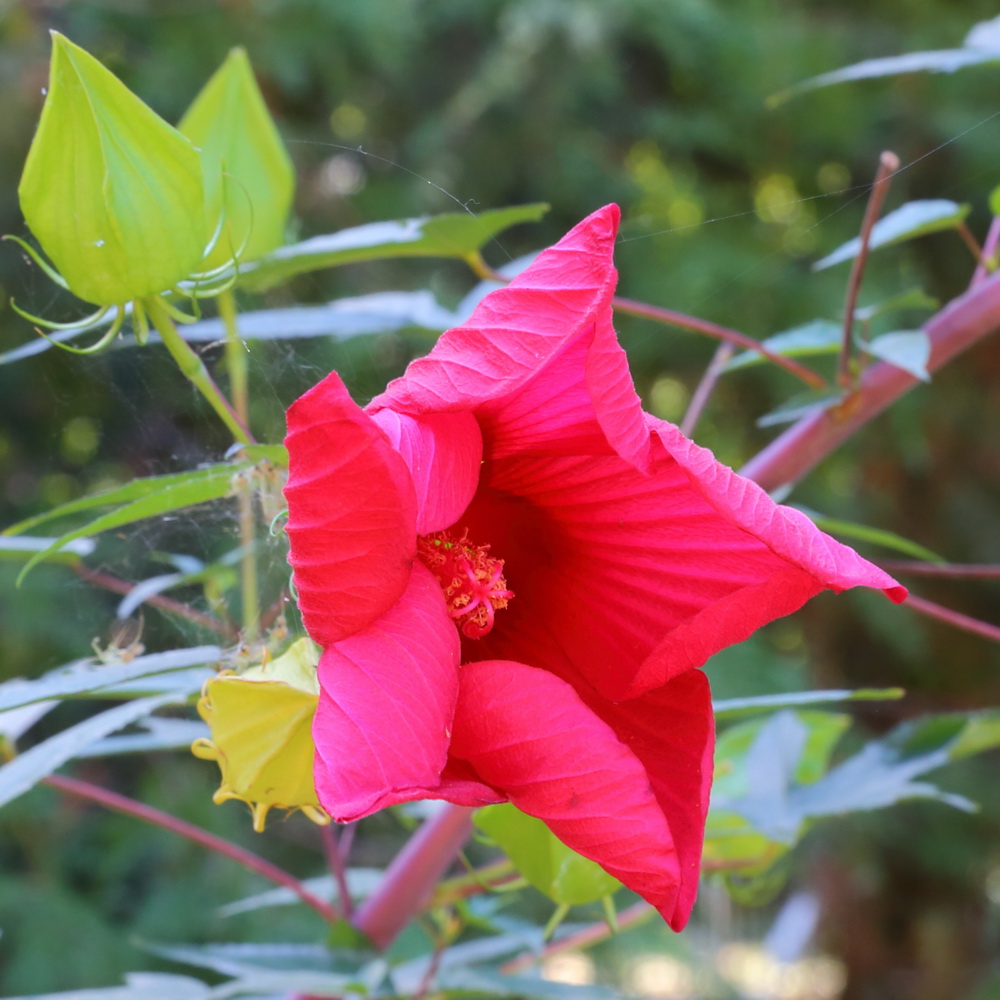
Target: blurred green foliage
<point x="392" y="109"/>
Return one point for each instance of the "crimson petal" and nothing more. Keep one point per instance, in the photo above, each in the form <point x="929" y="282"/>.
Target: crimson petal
<point x="444" y="452"/>
<point x="351" y="513"/>
<point x="529" y="734"/>
<point x="388" y="696"/>
<point x="515" y="330"/>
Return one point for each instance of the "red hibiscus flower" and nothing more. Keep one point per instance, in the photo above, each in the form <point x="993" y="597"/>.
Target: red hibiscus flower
<point x="514" y="572"/>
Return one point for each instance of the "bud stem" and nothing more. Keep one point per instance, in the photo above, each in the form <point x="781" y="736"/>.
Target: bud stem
<point x="194" y="369"/>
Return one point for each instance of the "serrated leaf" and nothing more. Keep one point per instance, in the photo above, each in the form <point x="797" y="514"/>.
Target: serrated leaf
<point x="455" y="234"/>
<point x="248" y="174"/>
<point x="802" y="403"/>
<point x="90" y="677"/>
<point x="820" y="336"/>
<point x="27" y="769"/>
<point x="731" y="708"/>
<point x="906" y="349"/>
<point x="915" y="218"/>
<point x="186" y="493"/>
<point x="866" y="533"/>
<point x="545" y="861"/>
<point x="112" y="193"/>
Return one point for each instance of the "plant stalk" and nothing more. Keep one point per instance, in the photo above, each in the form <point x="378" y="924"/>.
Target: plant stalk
<point x="236" y="366"/>
<point x="193" y="368"/>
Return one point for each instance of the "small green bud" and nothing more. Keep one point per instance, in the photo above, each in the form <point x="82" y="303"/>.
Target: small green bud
<point x="112" y="192"/>
<point x="230" y="124"/>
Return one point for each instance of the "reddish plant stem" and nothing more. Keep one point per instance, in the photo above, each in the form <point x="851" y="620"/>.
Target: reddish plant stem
<point x="888" y="164"/>
<point x="335" y="853"/>
<point x="952" y="571"/>
<point x="989" y="249"/>
<point x="970" y="241"/>
<point x="956" y="618"/>
<point x="410" y="879"/>
<point x="670" y="318"/>
<point x="958" y="326"/>
<point x="705" y="388"/>
<point x="139" y="810"/>
<point x="123" y="587"/>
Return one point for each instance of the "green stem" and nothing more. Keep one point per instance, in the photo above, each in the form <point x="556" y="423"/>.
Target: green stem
<point x="194" y="369"/>
<point x="236" y="365"/>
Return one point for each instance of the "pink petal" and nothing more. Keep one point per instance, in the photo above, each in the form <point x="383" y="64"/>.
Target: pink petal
<point x="635" y="578"/>
<point x="351" y="513"/>
<point x="528" y="734"/>
<point x="385" y="713"/>
<point x="443" y="452"/>
<point x="515" y="330"/>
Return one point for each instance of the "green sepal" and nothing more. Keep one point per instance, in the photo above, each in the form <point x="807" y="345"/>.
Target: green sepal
<point x="554" y="869"/>
<point x="248" y="174"/>
<point x="113" y="193"/>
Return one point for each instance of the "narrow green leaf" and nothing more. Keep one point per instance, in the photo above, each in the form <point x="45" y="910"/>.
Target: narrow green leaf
<point x="28" y="768"/>
<point x="913" y="298"/>
<point x="157" y="735"/>
<point x="906" y="349"/>
<point x="820" y="336"/>
<point x="248" y="174"/>
<point x="139" y="986"/>
<point x="545" y="861"/>
<point x="478" y="982"/>
<point x="86" y="677"/>
<point x="915" y="218"/>
<point x="361" y="883"/>
<point x="452" y="235"/>
<point x="112" y="193"/>
<point x="865" y="533"/>
<point x="169" y="498"/>
<point x="133" y="490"/>
<point x="18" y="549"/>
<point x="799" y="405"/>
<point x="732" y="708"/>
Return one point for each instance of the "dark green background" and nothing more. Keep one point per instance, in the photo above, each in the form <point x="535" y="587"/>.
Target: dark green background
<point x="657" y="105"/>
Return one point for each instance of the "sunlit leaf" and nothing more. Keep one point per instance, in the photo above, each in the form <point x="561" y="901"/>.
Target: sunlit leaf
<point x="21" y="548"/>
<point x="139" y="986"/>
<point x="455" y="234"/>
<point x="913" y="298"/>
<point x="915" y="218"/>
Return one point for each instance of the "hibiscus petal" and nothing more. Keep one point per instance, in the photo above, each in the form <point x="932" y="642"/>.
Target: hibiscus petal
<point x="515" y="330"/>
<point x="387" y="701"/>
<point x="529" y="734"/>
<point x="635" y="578"/>
<point x="351" y="513"/>
<point x="444" y="452"/>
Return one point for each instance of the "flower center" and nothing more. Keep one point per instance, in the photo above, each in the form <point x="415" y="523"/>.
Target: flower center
<point x="472" y="580"/>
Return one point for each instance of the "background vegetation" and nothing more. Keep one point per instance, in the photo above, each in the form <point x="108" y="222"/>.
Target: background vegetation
<point x="394" y="108"/>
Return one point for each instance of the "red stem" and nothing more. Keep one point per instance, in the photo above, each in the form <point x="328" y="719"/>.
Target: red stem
<point x="705" y="388"/>
<point x="953" y="571"/>
<point x="410" y="879"/>
<point x="888" y="164"/>
<point x="989" y="249"/>
<point x="685" y="322"/>
<point x="958" y="326"/>
<point x="956" y="618"/>
<point x="249" y="860"/>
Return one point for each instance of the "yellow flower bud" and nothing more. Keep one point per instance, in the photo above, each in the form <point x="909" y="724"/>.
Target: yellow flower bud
<point x="261" y="723"/>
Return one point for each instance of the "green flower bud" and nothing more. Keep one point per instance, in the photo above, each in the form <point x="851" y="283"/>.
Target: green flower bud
<point x="229" y="122"/>
<point x="112" y="192"/>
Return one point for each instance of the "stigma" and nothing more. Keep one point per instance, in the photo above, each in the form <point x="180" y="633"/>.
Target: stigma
<point x="472" y="580"/>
